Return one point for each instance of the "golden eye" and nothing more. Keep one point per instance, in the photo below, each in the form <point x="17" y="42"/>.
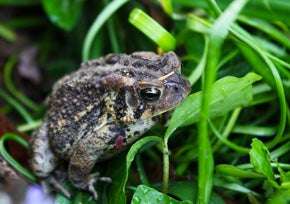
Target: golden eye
<point x="150" y="93"/>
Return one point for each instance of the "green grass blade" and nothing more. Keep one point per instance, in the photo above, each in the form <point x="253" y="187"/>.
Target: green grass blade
<point x="98" y="23"/>
<point x="7" y="33"/>
<point x="253" y="49"/>
<point x="167" y="6"/>
<point x="21" y="110"/>
<point x="267" y="28"/>
<point x="152" y="30"/>
<point x="217" y="36"/>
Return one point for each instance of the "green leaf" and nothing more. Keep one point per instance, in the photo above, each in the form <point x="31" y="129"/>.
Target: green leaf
<point x="63" y="13"/>
<point x="284" y="176"/>
<point x="228" y="93"/>
<point x="187" y="190"/>
<point x="229" y="170"/>
<point x="260" y="159"/>
<point x="184" y="190"/>
<point x="146" y="195"/>
<point x="120" y="170"/>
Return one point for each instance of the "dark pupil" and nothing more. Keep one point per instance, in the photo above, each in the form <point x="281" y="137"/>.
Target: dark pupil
<point x="150" y="93"/>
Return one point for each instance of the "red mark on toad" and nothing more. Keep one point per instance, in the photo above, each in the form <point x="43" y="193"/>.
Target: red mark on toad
<point x="119" y="141"/>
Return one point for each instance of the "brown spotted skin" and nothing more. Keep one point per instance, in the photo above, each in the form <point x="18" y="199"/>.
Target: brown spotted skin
<point x="99" y="110"/>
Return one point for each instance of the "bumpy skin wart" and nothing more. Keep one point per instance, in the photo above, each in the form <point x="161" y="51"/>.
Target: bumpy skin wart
<point x="99" y="110"/>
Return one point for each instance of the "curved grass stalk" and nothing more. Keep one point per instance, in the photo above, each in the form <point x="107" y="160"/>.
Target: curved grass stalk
<point x="10" y="136"/>
<point x="10" y="86"/>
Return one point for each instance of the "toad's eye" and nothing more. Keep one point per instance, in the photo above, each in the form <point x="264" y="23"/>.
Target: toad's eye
<point x="150" y="93"/>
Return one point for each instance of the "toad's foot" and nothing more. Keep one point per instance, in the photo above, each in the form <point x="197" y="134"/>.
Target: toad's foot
<point x="92" y="180"/>
<point x="50" y="184"/>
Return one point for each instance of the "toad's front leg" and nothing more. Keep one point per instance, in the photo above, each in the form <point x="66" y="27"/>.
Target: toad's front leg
<point x="82" y="162"/>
